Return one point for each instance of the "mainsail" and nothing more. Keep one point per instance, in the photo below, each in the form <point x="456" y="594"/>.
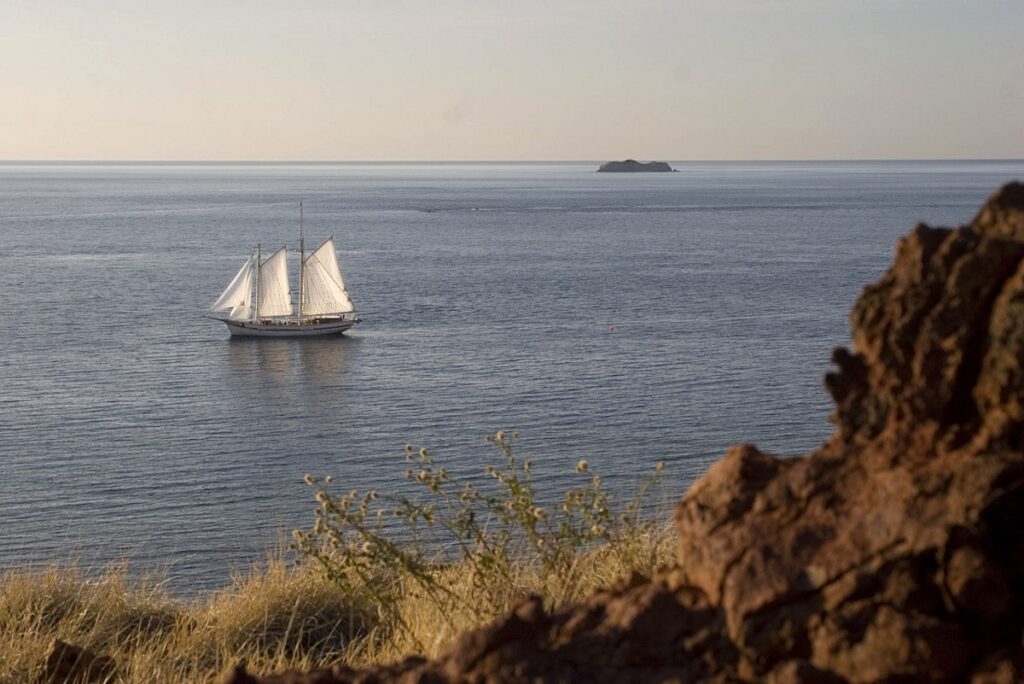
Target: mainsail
<point x="238" y="294"/>
<point x="323" y="290"/>
<point x="275" y="298"/>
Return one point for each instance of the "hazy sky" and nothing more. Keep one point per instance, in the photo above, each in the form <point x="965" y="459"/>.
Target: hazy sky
<point x="525" y="79"/>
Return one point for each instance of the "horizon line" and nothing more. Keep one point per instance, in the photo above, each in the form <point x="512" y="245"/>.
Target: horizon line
<point x="98" y="162"/>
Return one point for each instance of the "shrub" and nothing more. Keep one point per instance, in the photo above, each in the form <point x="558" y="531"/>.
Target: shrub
<point x="466" y="549"/>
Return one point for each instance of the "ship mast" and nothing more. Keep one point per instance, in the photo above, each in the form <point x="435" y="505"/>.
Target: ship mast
<point x="256" y="317"/>
<point x="302" y="257"/>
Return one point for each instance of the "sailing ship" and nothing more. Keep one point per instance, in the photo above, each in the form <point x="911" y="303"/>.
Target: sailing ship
<point x="259" y="297"/>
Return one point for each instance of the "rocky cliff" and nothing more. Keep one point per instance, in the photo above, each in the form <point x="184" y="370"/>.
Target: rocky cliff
<point x="894" y="552"/>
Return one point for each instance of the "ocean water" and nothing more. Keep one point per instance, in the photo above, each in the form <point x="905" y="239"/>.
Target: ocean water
<point x="626" y="319"/>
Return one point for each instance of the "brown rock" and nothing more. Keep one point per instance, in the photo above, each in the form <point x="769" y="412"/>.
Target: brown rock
<point x="1006" y="667"/>
<point x="1003" y="213"/>
<point x="69" y="664"/>
<point x="894" y="552"/>
<point x="408" y="671"/>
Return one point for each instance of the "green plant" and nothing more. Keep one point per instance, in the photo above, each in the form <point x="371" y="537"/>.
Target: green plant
<point x="382" y="548"/>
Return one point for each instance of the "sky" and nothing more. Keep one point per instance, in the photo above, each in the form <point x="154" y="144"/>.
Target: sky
<point x="393" y="80"/>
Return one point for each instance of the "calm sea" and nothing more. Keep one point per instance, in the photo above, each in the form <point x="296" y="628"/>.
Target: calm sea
<point x="627" y="319"/>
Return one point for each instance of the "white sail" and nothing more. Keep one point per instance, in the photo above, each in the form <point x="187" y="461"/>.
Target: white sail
<point x="238" y="294"/>
<point x="275" y="298"/>
<point x="242" y="312"/>
<point x="323" y="288"/>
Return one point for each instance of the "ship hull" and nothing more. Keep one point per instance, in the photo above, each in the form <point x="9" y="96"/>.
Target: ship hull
<point x="290" y="328"/>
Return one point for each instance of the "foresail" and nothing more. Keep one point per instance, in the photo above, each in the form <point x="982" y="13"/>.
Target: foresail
<point x="323" y="287"/>
<point x="275" y="298"/>
<point x="238" y="293"/>
<point x="242" y="312"/>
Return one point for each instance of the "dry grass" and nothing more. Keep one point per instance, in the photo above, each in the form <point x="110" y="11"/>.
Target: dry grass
<point x="429" y="630"/>
<point x="360" y="597"/>
<point x="274" y="618"/>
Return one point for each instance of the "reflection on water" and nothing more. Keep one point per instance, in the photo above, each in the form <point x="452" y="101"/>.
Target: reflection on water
<point x="321" y="359"/>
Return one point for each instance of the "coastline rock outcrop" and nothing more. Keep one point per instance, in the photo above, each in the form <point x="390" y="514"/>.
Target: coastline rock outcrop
<point x="893" y="552"/>
<point x="632" y="166"/>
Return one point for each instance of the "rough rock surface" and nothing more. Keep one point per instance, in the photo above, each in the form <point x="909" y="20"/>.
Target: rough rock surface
<point x="894" y="552"/>
<point x="632" y="165"/>
<point x="68" y="664"/>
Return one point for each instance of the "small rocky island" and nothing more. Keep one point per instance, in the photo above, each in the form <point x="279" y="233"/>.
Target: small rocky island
<point x="632" y="166"/>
